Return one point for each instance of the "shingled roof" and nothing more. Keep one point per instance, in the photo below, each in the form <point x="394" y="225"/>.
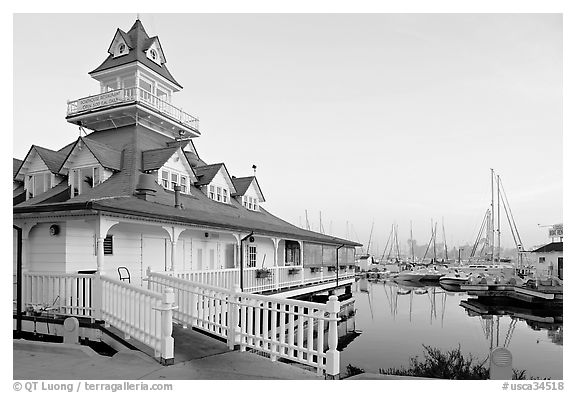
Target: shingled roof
<point x="138" y="41"/>
<point x="241" y="184"/>
<point x="16" y="164"/>
<point x="52" y="159"/>
<point x="107" y="156"/>
<point x="205" y="174"/>
<point x="154" y="159"/>
<point x="551" y="247"/>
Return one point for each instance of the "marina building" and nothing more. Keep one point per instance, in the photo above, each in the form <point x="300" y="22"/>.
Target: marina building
<point x="131" y="211"/>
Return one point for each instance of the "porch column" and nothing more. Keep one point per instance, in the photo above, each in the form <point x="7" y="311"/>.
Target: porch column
<point x="26" y="228"/>
<point x="276" y="241"/>
<point x="103" y="225"/>
<point x="301" y="261"/>
<point x="237" y="251"/>
<point x="174" y="233"/>
<point x="101" y="230"/>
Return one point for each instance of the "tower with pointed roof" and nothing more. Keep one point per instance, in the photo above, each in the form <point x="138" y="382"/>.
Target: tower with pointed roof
<point x="136" y="88"/>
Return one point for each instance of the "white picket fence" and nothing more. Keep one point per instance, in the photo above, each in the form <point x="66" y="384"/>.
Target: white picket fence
<point x="281" y="328"/>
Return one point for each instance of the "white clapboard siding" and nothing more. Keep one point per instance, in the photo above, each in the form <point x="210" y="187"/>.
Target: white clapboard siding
<point x="47" y="253"/>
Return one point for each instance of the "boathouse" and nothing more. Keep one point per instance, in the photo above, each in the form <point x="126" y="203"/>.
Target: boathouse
<point x="549" y="260"/>
<point x="128" y="222"/>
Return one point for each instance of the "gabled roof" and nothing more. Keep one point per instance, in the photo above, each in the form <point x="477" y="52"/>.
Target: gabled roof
<point x="52" y="159"/>
<point x="107" y="157"/>
<point x="140" y="42"/>
<point x="194" y="160"/>
<point x="551" y="247"/>
<point x="16" y="163"/>
<point x="205" y="174"/>
<point x="154" y="159"/>
<point x="125" y="38"/>
<point x="241" y="184"/>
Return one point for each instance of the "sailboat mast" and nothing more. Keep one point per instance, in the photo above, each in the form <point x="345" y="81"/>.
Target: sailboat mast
<point x="492" y="209"/>
<point x="498" y="214"/>
<point x="411" y="242"/>
<point x="434" y="236"/>
<point x="444" y="236"/>
<point x="370" y="239"/>
<point x="397" y="248"/>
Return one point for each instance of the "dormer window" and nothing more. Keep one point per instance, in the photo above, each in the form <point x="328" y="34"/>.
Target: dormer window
<point x="169" y="179"/>
<point x="218" y="193"/>
<point x="83" y="179"/>
<point x="37" y="184"/>
<point x="250" y="203"/>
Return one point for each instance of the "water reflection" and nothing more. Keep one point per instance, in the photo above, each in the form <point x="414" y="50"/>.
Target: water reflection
<point x="397" y="318"/>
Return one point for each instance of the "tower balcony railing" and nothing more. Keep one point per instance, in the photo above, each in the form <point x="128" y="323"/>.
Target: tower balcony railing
<point x="131" y="94"/>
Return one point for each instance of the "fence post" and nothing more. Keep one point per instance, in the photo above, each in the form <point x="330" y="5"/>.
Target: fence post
<point x="233" y="309"/>
<point x="167" y="341"/>
<point x="149" y="284"/>
<point x="333" y="356"/>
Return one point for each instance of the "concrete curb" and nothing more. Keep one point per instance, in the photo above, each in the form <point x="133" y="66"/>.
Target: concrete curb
<point x="133" y="356"/>
<point x="38" y="346"/>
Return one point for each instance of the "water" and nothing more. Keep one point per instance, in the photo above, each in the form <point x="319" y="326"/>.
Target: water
<point x="397" y="321"/>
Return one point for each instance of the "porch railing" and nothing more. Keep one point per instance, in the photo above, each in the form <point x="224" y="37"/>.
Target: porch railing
<point x="59" y="293"/>
<point x="144" y="315"/>
<point x="260" y="280"/>
<point x="131" y="94"/>
<point x="281" y="328"/>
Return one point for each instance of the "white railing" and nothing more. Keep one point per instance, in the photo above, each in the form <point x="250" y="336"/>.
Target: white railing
<point x="59" y="293"/>
<point x="199" y="305"/>
<point x="139" y="313"/>
<point x="130" y="94"/>
<point x="221" y="278"/>
<point x="284" y="328"/>
<point x="260" y="280"/>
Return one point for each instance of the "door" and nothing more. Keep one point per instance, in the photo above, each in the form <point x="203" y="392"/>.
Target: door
<point x="561" y="268"/>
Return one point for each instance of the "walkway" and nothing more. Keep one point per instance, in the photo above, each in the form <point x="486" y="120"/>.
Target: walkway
<point x="197" y="357"/>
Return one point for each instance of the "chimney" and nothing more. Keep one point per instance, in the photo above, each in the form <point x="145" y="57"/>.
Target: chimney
<point x="146" y="187"/>
<point x="177" y="203"/>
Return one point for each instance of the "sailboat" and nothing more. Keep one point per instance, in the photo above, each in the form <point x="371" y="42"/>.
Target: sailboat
<point x="365" y="261"/>
<point x="492" y="262"/>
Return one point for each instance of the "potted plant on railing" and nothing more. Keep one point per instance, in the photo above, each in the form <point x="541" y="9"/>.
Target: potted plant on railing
<point x="314" y="269"/>
<point x="293" y="270"/>
<point x="332" y="268"/>
<point x="263" y="273"/>
<point x="343" y="267"/>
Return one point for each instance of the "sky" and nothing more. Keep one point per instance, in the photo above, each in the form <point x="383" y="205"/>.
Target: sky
<point x="362" y="118"/>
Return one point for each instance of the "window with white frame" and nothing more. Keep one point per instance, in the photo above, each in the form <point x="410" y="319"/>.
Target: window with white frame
<point x="218" y="193"/>
<point x="250" y="203"/>
<point x="83" y="179"/>
<point x="169" y="179"/>
<point x="184" y="184"/>
<point x="37" y="184"/>
<point x="251" y="262"/>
